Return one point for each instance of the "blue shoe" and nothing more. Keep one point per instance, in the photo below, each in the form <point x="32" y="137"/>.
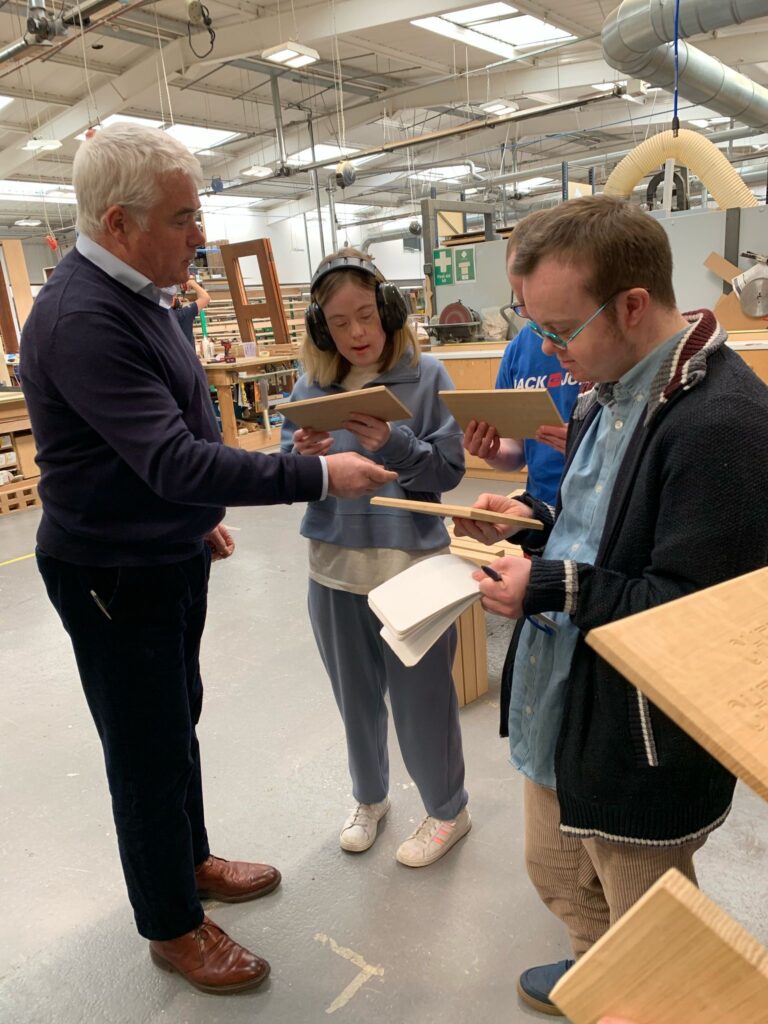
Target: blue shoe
<point x="535" y="984"/>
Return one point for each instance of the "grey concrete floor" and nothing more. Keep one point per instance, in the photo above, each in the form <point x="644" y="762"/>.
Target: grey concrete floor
<point x="442" y="944"/>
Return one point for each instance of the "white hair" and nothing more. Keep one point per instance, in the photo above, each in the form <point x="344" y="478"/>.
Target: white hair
<point x="123" y="164"/>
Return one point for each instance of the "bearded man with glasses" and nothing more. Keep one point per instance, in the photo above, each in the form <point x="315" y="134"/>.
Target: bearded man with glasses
<point x="662" y="495"/>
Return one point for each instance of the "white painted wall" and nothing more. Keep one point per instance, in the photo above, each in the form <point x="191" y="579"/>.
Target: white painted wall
<point x="289" y="244"/>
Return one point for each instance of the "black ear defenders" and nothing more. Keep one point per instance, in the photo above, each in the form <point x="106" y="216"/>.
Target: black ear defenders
<point x="390" y="303"/>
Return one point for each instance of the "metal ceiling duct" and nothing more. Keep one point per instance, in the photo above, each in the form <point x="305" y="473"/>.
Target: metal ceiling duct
<point x="637" y="41"/>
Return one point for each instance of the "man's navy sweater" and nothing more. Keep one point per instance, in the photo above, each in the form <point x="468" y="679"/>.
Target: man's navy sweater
<point x="133" y="471"/>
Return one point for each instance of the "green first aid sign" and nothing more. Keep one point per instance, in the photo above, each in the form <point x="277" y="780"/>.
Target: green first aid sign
<point x="464" y="264"/>
<point x="442" y="261"/>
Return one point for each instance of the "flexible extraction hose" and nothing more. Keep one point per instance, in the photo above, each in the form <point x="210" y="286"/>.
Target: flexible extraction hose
<point x="693" y="151"/>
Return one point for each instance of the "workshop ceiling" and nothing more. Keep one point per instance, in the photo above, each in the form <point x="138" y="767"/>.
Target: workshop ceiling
<point x="379" y="79"/>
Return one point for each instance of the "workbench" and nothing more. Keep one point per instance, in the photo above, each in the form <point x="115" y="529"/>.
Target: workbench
<point x="222" y="376"/>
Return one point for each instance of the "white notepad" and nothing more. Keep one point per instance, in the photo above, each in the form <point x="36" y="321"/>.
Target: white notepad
<point x="418" y="605"/>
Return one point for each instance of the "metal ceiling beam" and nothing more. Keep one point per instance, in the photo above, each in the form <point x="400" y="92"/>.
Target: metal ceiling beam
<point x="323" y="22"/>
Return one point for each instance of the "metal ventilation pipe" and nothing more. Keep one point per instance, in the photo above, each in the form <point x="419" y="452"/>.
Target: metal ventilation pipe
<point x="386" y="236"/>
<point x="637" y="41"/>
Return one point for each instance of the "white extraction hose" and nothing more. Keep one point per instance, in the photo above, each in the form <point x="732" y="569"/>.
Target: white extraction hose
<point x="691" y="150"/>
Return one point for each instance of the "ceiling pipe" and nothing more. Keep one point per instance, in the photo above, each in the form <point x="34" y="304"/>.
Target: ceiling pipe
<point x="42" y="29"/>
<point x="536" y="170"/>
<point x="637" y="41"/>
<point x="473" y="126"/>
<point x="386" y="236"/>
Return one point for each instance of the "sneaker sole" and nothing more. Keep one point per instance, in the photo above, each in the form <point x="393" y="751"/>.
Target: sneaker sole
<point x="223" y="990"/>
<point x="536" y="1004"/>
<point x="433" y="860"/>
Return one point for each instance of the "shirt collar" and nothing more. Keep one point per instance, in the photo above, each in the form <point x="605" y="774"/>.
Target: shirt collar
<point x="635" y="384"/>
<point x="122" y="272"/>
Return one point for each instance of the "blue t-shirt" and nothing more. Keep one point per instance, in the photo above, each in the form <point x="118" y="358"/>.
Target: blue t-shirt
<point x="524" y="365"/>
<point x="186" y="318"/>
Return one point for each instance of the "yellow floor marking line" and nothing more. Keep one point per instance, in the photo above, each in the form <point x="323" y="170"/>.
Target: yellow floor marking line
<point x="21" y="558"/>
<point x="366" y="971"/>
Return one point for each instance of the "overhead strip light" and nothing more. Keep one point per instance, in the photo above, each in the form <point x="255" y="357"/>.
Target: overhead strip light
<point x="257" y="171"/>
<point x="27" y="222"/>
<point x="196" y="137"/>
<point x="291" y="55"/>
<point x="35" y="145"/>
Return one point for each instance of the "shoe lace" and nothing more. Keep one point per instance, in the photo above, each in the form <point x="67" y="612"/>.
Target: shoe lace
<point x="360" y="816"/>
<point x="427" y="829"/>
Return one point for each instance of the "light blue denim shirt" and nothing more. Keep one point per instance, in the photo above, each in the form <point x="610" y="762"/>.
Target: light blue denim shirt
<point x="542" y="662"/>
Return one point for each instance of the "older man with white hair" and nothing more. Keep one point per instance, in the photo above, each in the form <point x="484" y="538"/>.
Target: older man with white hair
<point x="134" y="484"/>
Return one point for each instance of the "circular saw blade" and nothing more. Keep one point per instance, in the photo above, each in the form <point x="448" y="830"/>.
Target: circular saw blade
<point x="754" y="297"/>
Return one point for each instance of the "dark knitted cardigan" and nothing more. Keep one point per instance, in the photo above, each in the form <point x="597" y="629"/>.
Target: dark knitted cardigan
<point x="688" y="511"/>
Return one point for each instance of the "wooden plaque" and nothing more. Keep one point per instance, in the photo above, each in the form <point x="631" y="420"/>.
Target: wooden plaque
<point x="703" y="660"/>
<point x="674" y="958"/>
<point x="433" y="508"/>
<point x="329" y="412"/>
<point x="515" y="412"/>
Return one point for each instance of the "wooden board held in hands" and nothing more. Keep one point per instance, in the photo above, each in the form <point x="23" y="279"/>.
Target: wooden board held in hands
<point x="515" y="412"/>
<point x="432" y="508"/>
<point x="703" y="660"/>
<point x="674" y="958"/>
<point x="329" y="412"/>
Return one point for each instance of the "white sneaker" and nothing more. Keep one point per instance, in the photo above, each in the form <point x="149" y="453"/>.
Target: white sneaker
<point x="360" y="828"/>
<point x="432" y="839"/>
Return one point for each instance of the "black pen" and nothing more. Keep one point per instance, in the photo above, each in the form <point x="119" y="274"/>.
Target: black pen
<point x="491" y="572"/>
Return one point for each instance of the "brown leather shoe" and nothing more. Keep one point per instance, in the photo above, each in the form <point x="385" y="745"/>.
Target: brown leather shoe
<point x="234" y="881"/>
<point x="208" y="959"/>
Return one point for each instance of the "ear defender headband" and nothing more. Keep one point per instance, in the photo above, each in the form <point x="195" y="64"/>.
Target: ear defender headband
<point x="390" y="303"/>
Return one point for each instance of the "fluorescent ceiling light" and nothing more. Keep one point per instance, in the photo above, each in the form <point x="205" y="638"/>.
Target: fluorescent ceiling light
<point x="496" y="28"/>
<point x="493" y="108"/>
<point x="195" y="137"/>
<point x="12" y="191"/>
<point x="41" y="145"/>
<point x="27" y="222"/>
<point x="451" y="173"/>
<point x="719" y="120"/>
<point x="700" y="123"/>
<point x="291" y="55"/>
<point x="530" y="183"/>
<point x="5" y="100"/>
<point x="608" y="86"/>
<point x="144" y="122"/>
<point x="257" y="171"/>
<point x="325" y="151"/>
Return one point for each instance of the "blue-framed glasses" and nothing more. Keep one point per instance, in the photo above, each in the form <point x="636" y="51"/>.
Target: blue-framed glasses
<point x="563" y="343"/>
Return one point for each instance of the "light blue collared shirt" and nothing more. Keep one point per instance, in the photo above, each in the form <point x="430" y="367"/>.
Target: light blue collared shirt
<point x="122" y="272"/>
<point x="141" y="285"/>
<point x="543" y="662"/>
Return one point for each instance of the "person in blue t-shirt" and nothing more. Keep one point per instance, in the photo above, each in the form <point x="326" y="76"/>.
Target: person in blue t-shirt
<point x="524" y="365"/>
<point x="187" y="312"/>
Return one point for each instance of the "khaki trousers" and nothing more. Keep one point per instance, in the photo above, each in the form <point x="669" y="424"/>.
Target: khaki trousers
<point x="589" y="883"/>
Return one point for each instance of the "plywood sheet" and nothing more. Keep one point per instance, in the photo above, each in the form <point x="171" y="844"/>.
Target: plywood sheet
<point x="482" y="515"/>
<point x="515" y="412"/>
<point x="704" y="661"/>
<point x="328" y="413"/>
<point x="673" y="958"/>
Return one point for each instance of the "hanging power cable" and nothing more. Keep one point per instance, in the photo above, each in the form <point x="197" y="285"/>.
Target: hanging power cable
<point x="199" y="15"/>
<point x="675" y="118"/>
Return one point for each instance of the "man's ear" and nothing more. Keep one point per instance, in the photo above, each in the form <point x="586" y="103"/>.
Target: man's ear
<point x="117" y="222"/>
<point x="636" y="303"/>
